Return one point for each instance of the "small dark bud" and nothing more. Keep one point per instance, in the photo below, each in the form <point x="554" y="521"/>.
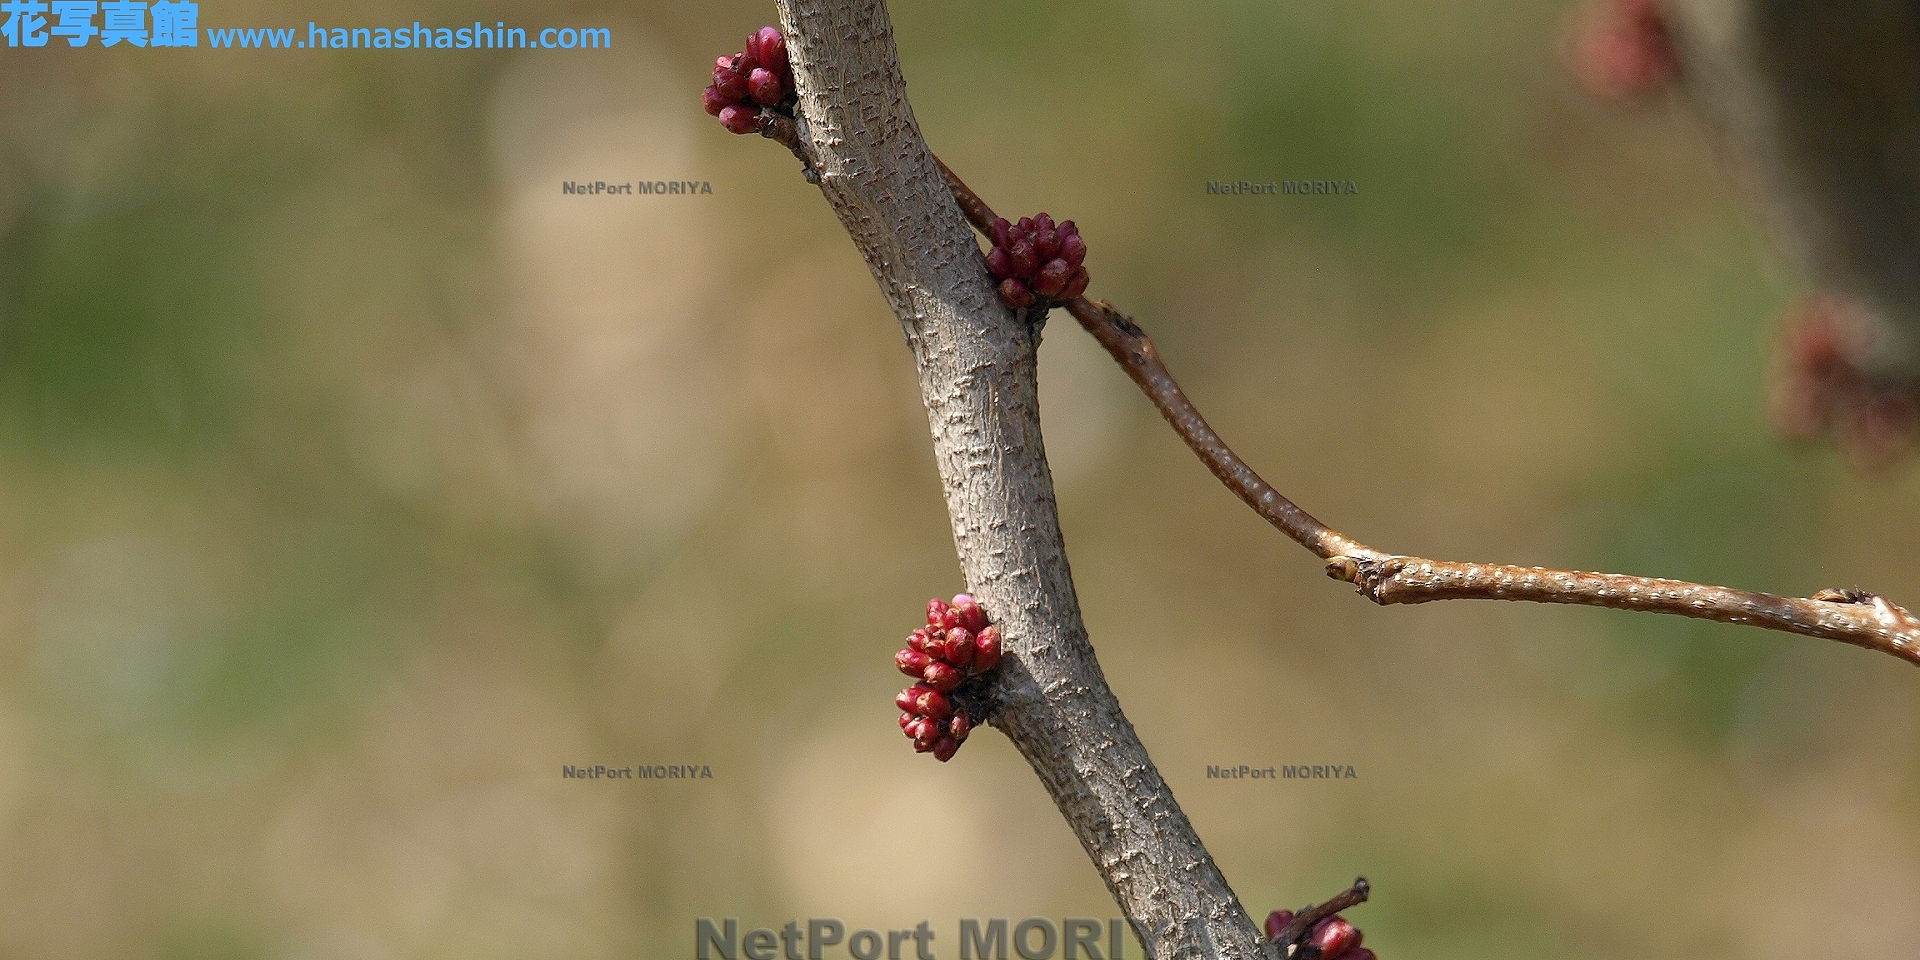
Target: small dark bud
<point x="1000" y="232"/>
<point x="713" y="100"/>
<point x="1076" y="284"/>
<point x="945" y="748"/>
<point x="1277" y="923"/>
<point x="1052" y="277"/>
<point x="1015" y="294"/>
<point x="765" y="86"/>
<point x="959" y="726"/>
<point x="1073" y="249"/>
<point x="998" y="263"/>
<point x="1024" y="257"/>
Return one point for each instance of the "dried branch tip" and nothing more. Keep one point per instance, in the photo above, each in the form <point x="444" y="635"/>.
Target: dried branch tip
<point x="1319" y="932"/>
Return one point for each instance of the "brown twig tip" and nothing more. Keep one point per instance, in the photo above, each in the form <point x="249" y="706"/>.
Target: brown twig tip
<point x="1293" y="935"/>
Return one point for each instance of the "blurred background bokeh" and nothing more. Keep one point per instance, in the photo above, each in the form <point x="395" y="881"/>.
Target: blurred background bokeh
<point x="353" y="479"/>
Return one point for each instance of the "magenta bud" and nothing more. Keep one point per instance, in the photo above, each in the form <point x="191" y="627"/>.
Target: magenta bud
<point x="945" y="748"/>
<point x="1024" y="258"/>
<point x="713" y="100"/>
<point x="1000" y="232"/>
<point x="1277" y="923"/>
<point x="745" y="61"/>
<point x="740" y="119"/>
<point x="971" y="616"/>
<point x="933" y="704"/>
<point x="772" y="52"/>
<point x="1076" y="284"/>
<point x="1068" y="228"/>
<point x="943" y="676"/>
<point x="1026" y="225"/>
<point x="986" y="649"/>
<point x="1047" y="245"/>
<point x="936" y="612"/>
<point x="732" y="84"/>
<point x="1052" y="277"/>
<point x="765" y="86"/>
<point x="911" y="662"/>
<point x="917" y="640"/>
<point x="1042" y="223"/>
<point x="959" y="726"/>
<point x="1073" y="249"/>
<point x="921" y="745"/>
<point x="1015" y="294"/>
<point x="906" y="699"/>
<point x="998" y="263"/>
<point x="905" y="719"/>
<point x="1333" y="937"/>
<point x="960" y="647"/>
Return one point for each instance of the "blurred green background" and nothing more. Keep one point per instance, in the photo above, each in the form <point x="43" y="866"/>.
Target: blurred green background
<point x="353" y="479"/>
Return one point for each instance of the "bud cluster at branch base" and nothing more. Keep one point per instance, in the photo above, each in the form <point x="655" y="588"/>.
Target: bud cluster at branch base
<point x="1330" y="939"/>
<point x="1037" y="261"/>
<point x="756" y="77"/>
<point x="1625" y="51"/>
<point x="957" y="643"/>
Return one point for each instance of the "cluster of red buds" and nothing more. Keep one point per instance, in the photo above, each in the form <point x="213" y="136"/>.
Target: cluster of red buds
<point x="1319" y="932"/>
<point x="1037" y="261"/>
<point x="743" y="83"/>
<point x="956" y="643"/>
<point x="1818" y="387"/>
<point x="1625" y="50"/>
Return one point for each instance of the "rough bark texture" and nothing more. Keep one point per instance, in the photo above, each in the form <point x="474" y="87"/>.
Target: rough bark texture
<point x="976" y="366"/>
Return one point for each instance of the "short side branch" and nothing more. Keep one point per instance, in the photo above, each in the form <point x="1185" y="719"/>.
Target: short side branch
<point x="1849" y="616"/>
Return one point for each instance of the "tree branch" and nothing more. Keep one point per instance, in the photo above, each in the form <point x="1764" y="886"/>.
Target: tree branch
<point x="1849" y="616"/>
<point x="976" y="370"/>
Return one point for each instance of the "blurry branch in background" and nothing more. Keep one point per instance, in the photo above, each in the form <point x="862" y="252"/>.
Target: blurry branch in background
<point x="976" y="365"/>
<point x="1850" y="616"/>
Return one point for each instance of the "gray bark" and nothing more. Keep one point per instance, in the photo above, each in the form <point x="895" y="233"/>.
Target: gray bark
<point x="976" y="367"/>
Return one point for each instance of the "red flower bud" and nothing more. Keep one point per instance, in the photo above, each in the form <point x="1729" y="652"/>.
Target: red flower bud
<point x="713" y="100"/>
<point x="1068" y="228"/>
<point x="922" y="746"/>
<point x="1073" y="249"/>
<point x="942" y="676"/>
<point x="1333" y="937"/>
<point x="1026" y="225"/>
<point x="1047" y="245"/>
<point x="745" y="62"/>
<point x="917" y="640"/>
<point x="960" y="647"/>
<point x="909" y="699"/>
<point x="999" y="232"/>
<point x="772" y="50"/>
<point x="1042" y="223"/>
<point x="905" y="719"/>
<point x="945" y="748"/>
<point x="933" y="704"/>
<point x="1052" y="277"/>
<point x="998" y="263"/>
<point x="1076" y="284"/>
<point x="936" y="612"/>
<point x="959" y="726"/>
<point x="1015" y="294"/>
<point x="986" y="649"/>
<point x="765" y="86"/>
<point x="971" y="616"/>
<point x="740" y="119"/>
<point x="1277" y="923"/>
<point x="1024" y="258"/>
<point x="911" y="662"/>
<point x="731" y="83"/>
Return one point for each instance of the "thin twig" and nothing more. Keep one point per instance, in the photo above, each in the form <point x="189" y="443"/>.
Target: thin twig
<point x="1305" y="919"/>
<point x="1849" y="616"/>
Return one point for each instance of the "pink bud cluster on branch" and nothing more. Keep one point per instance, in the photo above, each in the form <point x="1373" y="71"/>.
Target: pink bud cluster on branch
<point x="756" y="77"/>
<point x="1037" y="261"/>
<point x="956" y="644"/>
